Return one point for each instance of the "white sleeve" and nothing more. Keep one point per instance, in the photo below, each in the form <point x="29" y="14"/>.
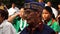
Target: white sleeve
<point x="58" y="33"/>
<point x="13" y="30"/>
<point x="55" y="12"/>
<point x="9" y="30"/>
<point x="9" y="12"/>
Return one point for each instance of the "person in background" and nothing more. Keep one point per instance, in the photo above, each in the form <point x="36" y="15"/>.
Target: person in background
<point x="13" y="9"/>
<point x="33" y="17"/>
<point x="17" y="20"/>
<point x="5" y="26"/>
<point x="49" y="19"/>
<point x="49" y="3"/>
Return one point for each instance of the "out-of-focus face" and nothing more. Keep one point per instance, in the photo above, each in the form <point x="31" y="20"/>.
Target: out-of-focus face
<point x="30" y="18"/>
<point x="40" y="0"/>
<point x="45" y="14"/>
<point x="59" y="6"/>
<point x="13" y="5"/>
<point x="21" y="12"/>
<point x="49" y="4"/>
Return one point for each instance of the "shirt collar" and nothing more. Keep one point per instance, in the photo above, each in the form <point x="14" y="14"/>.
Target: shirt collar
<point x="49" y="22"/>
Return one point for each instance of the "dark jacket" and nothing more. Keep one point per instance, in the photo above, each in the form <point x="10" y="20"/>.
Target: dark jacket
<point x="46" y="30"/>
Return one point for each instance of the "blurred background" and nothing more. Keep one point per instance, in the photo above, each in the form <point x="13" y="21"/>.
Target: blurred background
<point x="19" y="3"/>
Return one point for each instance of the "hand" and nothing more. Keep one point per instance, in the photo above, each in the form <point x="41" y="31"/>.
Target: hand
<point x="59" y="16"/>
<point x="17" y="14"/>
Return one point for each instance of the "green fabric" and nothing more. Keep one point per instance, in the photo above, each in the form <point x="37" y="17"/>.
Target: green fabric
<point x="54" y="26"/>
<point x="59" y="28"/>
<point x="19" y="23"/>
<point x="23" y="24"/>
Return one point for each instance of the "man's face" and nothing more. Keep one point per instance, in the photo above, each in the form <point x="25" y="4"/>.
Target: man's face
<point x="30" y="18"/>
<point x="45" y="15"/>
<point x="49" y="4"/>
<point x="21" y="12"/>
<point x="13" y="5"/>
<point x="59" y="6"/>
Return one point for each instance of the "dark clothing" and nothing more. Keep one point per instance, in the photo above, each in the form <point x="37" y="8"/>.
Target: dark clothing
<point x="46" y="30"/>
<point x="27" y="1"/>
<point x="42" y="3"/>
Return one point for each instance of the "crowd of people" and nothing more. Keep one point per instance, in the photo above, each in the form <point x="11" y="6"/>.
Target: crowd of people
<point x="32" y="18"/>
